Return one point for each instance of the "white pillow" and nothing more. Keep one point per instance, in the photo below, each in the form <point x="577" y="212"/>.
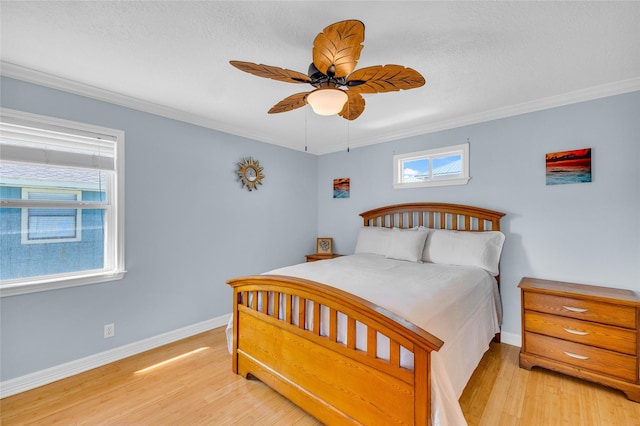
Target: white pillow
<point x="480" y="249"/>
<point x="374" y="240"/>
<point x="407" y="244"/>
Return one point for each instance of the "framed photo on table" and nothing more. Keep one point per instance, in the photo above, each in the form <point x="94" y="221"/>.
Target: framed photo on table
<point x="324" y="246"/>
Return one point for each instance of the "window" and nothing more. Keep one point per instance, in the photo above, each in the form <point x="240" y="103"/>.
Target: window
<point x="61" y="203"/>
<point x="433" y="167"/>
<point x="51" y="225"/>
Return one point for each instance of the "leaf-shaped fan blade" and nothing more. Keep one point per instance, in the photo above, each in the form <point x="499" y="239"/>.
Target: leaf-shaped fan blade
<point x="290" y="103"/>
<point x="267" y="71"/>
<point x="353" y="107"/>
<point x="384" y="78"/>
<point x="336" y="49"/>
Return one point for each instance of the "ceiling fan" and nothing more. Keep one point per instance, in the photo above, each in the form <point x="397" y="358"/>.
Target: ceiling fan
<point x="336" y="51"/>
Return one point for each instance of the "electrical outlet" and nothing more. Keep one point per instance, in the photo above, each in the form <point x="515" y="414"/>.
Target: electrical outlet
<point x="109" y="330"/>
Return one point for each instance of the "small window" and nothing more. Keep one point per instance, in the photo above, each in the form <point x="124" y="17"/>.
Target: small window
<point x="434" y="167"/>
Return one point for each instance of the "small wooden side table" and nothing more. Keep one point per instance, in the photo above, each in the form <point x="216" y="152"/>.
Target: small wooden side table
<point x="584" y="331"/>
<point x="315" y="257"/>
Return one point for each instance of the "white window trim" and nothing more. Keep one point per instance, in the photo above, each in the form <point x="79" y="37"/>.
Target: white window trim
<point x="398" y="159"/>
<point x="115" y="246"/>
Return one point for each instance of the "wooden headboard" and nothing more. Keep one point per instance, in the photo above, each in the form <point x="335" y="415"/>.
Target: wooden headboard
<point x="434" y="215"/>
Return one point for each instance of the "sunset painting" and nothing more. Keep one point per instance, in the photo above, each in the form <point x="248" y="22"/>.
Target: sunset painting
<point x="341" y="188"/>
<point x="569" y="167"/>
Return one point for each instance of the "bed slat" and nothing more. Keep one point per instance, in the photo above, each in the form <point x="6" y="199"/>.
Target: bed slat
<point x="394" y="353"/>
<point x="316" y="318"/>
<point x="302" y="312"/>
<point x="288" y="308"/>
<point x="351" y="333"/>
<point x="333" y="325"/>
<point x="372" y="342"/>
<point x="276" y="305"/>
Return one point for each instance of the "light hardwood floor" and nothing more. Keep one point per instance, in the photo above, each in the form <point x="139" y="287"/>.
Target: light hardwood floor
<point x="190" y="383"/>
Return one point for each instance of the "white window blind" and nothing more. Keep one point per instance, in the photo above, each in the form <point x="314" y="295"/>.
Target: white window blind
<point x="23" y="141"/>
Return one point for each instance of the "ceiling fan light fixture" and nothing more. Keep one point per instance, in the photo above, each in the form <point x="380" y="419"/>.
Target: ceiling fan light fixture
<point x="327" y="101"/>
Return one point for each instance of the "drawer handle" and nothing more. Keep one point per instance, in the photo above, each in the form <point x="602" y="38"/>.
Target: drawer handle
<point x="572" y="309"/>
<point x="578" y="332"/>
<point x="572" y="355"/>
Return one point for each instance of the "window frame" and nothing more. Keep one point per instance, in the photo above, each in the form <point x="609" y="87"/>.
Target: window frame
<point x="431" y="154"/>
<point x="114" y="257"/>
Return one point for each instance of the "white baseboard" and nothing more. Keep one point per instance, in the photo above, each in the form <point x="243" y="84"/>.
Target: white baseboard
<point x="52" y="374"/>
<point x="511" y="339"/>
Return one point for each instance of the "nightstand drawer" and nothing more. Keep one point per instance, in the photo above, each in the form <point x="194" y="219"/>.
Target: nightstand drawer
<point x="605" y="313"/>
<point x="583" y="356"/>
<point x="589" y="333"/>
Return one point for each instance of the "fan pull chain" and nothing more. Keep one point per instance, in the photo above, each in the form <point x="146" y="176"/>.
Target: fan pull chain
<point x="348" y="136"/>
<point x="348" y="119"/>
<point x="306" y="114"/>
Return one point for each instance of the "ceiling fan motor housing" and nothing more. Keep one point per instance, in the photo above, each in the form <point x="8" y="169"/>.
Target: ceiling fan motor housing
<point x="319" y="79"/>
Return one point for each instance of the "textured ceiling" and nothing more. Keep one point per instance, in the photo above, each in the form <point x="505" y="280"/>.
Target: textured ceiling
<point x="481" y="60"/>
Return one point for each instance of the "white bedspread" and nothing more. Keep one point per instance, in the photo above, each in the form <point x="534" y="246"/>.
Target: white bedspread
<point x="460" y="305"/>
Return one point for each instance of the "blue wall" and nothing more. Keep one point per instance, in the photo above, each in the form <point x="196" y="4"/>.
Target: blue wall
<point x="587" y="232"/>
<point x="189" y="224"/>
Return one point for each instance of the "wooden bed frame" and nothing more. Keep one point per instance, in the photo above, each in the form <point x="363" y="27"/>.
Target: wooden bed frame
<point x="333" y="381"/>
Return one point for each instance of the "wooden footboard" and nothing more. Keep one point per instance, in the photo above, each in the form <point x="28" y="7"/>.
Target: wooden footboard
<point x="278" y="339"/>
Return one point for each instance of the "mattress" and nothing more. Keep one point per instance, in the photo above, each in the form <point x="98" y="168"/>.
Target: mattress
<point x="458" y="304"/>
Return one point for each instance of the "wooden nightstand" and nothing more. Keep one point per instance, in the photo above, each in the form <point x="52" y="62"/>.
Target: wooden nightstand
<point x="584" y="331"/>
<point x="316" y="257"/>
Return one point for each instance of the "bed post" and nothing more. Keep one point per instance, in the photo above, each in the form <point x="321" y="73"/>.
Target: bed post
<point x="422" y="395"/>
<point x="234" y="356"/>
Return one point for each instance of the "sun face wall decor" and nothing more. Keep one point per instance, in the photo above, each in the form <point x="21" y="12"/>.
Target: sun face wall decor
<point x="250" y="173"/>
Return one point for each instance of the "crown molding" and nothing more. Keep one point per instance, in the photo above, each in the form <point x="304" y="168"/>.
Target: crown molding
<point x="33" y="76"/>
<point x="30" y="75"/>
<point x="592" y="93"/>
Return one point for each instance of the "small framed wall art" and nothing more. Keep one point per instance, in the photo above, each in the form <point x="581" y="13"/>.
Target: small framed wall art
<point x="341" y="187"/>
<point x="324" y="246"/>
<point x="568" y="166"/>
